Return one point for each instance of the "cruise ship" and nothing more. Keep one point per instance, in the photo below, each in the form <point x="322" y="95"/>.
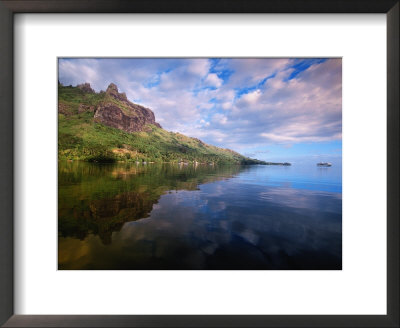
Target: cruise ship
<point x="324" y="164"/>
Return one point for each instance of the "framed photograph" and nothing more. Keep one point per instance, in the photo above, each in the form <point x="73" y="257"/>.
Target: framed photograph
<point x="126" y="182"/>
<point x="206" y="164"/>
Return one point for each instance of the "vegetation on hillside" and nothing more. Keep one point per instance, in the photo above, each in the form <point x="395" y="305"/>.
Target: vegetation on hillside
<point x="81" y="138"/>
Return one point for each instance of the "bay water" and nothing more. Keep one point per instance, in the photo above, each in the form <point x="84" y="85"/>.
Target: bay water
<point x="129" y="216"/>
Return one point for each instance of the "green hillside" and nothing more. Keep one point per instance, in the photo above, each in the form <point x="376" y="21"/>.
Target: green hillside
<point x="80" y="137"/>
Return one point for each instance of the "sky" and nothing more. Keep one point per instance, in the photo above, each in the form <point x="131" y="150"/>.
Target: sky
<point x="273" y="109"/>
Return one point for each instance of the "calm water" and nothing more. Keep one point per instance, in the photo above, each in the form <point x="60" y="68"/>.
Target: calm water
<point x="128" y="216"/>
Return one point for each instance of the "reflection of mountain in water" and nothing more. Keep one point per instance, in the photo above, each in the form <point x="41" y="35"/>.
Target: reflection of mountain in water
<point x="103" y="216"/>
<point x="99" y="199"/>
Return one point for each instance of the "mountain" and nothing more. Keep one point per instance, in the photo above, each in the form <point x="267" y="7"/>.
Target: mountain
<point x="106" y="127"/>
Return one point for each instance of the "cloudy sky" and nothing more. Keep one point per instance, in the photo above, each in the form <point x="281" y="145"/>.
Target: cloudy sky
<point x="271" y="109"/>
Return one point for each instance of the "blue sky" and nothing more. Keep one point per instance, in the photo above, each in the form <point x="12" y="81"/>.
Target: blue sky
<point x="268" y="108"/>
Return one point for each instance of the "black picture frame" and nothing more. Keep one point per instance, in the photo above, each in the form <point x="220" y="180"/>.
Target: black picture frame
<point x="10" y="7"/>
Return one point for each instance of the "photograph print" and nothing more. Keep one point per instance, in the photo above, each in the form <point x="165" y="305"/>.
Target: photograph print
<point x="199" y="163"/>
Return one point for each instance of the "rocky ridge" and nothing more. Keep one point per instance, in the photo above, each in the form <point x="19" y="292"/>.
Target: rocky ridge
<point x="115" y="110"/>
<point x="85" y="87"/>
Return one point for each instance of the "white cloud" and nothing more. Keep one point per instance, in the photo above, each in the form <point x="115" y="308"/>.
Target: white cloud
<point x="213" y="80"/>
<point x="220" y="119"/>
<point x="251" y="71"/>
<point x="199" y="67"/>
<point x="304" y="109"/>
<point x="250" y="98"/>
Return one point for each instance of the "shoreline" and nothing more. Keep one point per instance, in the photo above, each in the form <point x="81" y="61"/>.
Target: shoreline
<point x="177" y="163"/>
